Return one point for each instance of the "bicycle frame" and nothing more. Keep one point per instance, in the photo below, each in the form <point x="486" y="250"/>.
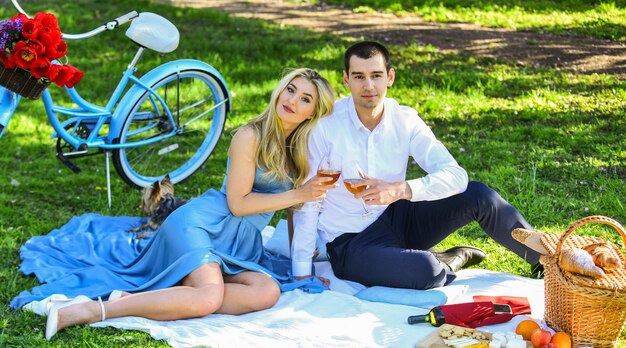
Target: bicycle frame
<point x="98" y="116"/>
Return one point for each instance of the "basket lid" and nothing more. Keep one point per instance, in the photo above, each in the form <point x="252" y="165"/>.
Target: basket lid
<point x="615" y="279"/>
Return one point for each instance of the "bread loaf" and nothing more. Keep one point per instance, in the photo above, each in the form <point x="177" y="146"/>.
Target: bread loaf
<point x="531" y="239"/>
<point x="579" y="261"/>
<point x="602" y="257"/>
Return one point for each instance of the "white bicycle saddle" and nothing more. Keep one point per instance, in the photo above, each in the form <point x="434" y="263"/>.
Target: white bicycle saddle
<point x="154" y="32"/>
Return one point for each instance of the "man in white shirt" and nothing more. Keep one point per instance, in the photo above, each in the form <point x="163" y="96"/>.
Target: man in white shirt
<point x="389" y="246"/>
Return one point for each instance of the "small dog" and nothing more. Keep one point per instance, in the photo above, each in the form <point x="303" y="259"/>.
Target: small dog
<point x="157" y="202"/>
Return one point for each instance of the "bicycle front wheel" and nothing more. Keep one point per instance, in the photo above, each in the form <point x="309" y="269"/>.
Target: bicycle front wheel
<point x="186" y="113"/>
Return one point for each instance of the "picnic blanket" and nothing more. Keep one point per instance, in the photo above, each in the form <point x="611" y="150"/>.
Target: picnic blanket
<point x="348" y="315"/>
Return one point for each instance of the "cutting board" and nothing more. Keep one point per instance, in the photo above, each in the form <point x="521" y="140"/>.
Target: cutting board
<point x="435" y="341"/>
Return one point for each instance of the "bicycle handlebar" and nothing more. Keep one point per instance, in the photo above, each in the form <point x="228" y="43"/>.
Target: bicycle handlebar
<point x="110" y="25"/>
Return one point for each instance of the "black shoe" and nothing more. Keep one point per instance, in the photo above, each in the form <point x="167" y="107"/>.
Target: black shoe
<point x="536" y="270"/>
<point x="460" y="257"/>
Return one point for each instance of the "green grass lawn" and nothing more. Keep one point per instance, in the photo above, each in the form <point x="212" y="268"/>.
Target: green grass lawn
<point x="602" y="19"/>
<point x="550" y="142"/>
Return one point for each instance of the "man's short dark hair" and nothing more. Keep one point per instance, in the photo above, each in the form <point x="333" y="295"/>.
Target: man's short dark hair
<point x="366" y="50"/>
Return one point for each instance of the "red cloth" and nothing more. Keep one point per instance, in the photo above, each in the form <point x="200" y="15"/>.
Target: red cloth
<point x="463" y="314"/>
<point x="492" y="320"/>
<point x="482" y="312"/>
<point x="519" y="305"/>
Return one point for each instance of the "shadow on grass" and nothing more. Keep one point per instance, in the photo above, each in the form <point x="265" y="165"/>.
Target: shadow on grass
<point x="530" y="6"/>
<point x="419" y="67"/>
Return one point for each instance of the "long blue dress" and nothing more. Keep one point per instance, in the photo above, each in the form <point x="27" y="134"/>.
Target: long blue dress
<point x="93" y="254"/>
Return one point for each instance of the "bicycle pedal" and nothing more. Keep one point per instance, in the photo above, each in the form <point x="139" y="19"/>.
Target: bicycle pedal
<point x="68" y="163"/>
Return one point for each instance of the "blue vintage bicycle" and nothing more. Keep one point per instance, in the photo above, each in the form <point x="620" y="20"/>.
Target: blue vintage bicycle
<point x="167" y="121"/>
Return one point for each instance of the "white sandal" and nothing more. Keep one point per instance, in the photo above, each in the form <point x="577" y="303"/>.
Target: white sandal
<point x="53" y="314"/>
<point x="42" y="307"/>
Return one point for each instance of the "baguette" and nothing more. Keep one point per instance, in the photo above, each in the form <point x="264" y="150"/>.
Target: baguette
<point x="581" y="262"/>
<point x="531" y="239"/>
<point x="601" y="254"/>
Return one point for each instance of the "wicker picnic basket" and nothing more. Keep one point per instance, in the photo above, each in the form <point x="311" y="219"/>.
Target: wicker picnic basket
<point x="22" y="82"/>
<point x="591" y="311"/>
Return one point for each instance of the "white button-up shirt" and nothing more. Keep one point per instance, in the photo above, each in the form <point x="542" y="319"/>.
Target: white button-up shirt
<point x="383" y="153"/>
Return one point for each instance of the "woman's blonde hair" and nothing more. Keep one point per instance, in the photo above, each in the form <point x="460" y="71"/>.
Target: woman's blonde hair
<point x="286" y="159"/>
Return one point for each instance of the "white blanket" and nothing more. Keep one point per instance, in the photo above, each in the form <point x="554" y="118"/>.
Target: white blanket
<point x="333" y="318"/>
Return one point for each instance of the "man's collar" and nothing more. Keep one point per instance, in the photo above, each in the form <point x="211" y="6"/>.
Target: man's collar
<point x="356" y="121"/>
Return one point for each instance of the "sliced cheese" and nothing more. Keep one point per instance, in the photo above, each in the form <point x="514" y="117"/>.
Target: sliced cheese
<point x="467" y="344"/>
<point x="461" y="342"/>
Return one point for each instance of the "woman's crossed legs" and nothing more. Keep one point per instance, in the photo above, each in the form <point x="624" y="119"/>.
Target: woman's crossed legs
<point x="204" y="291"/>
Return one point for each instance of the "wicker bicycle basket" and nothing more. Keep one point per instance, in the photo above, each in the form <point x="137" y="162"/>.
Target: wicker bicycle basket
<point x="22" y="82"/>
<point x="591" y="311"/>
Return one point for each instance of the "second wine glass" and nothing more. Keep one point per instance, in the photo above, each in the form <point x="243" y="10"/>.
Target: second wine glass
<point x="353" y="180"/>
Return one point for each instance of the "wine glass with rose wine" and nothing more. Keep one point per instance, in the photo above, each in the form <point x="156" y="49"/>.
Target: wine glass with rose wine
<point x="353" y="180"/>
<point x="329" y="167"/>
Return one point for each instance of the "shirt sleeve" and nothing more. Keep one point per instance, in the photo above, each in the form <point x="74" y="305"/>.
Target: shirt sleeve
<point x="444" y="177"/>
<point x="304" y="239"/>
<point x="305" y="219"/>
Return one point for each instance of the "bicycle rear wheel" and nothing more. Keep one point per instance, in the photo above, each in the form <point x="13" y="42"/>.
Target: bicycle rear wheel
<point x="189" y="120"/>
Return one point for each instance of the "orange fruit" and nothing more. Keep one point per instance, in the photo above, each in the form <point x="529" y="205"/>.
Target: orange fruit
<point x="562" y="340"/>
<point x="526" y="328"/>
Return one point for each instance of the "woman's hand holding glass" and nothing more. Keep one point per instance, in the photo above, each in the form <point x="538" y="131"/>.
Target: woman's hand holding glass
<point x="328" y="171"/>
<point x="329" y="167"/>
<point x="315" y="189"/>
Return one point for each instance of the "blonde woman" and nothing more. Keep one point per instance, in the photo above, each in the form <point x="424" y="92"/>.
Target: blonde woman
<point x="198" y="262"/>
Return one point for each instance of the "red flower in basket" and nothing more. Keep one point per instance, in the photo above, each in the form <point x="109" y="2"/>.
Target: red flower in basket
<point x="34" y="44"/>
